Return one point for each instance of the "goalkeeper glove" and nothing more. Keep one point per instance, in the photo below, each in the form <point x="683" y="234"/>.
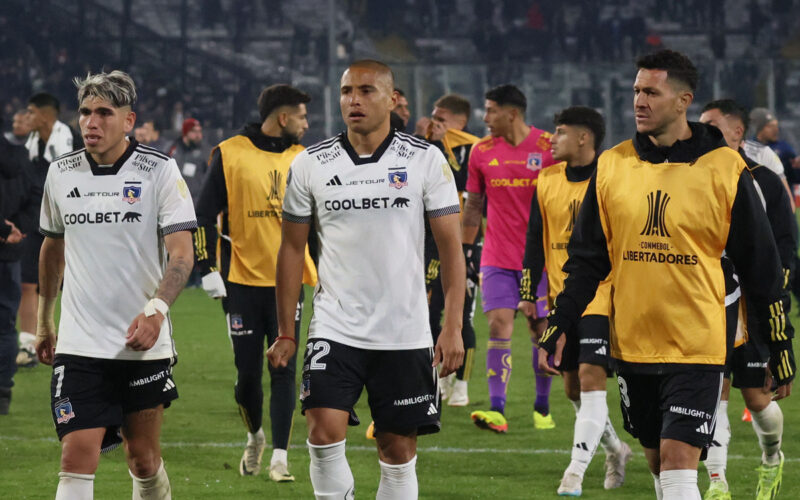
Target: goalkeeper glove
<point x="213" y="285"/>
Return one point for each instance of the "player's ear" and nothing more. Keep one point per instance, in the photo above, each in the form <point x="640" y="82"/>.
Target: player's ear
<point x="130" y="121"/>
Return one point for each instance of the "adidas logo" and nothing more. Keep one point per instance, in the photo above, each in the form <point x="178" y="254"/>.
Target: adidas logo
<point x="601" y="351"/>
<point x="334" y="181"/>
<point x="169" y="385"/>
<point x="704" y="429"/>
<point x="494" y="162"/>
<point x="582" y="446"/>
<point x="74" y="193"/>
<point x="432" y="409"/>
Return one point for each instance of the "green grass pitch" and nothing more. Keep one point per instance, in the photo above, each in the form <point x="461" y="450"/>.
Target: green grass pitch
<point x="203" y="436"/>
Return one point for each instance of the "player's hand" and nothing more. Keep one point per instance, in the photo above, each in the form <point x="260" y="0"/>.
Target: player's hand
<point x="528" y="309"/>
<point x="449" y="351"/>
<point x="280" y="352"/>
<point x="423" y="127"/>
<point x="437" y="131"/>
<point x="15" y="236"/>
<point x="144" y="331"/>
<point x="544" y="363"/>
<point x="214" y="285"/>
<point x="45" y="342"/>
<point x="472" y="257"/>
<point x="552" y="341"/>
<point x="780" y="370"/>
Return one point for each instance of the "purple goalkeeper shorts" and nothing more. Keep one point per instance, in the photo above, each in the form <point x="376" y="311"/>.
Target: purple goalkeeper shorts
<point x="500" y="289"/>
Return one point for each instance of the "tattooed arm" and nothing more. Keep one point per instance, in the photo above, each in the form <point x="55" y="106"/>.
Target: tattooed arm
<point x="144" y="330"/>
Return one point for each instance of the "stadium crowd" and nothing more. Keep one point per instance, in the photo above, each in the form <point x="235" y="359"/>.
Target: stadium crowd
<point x="667" y="261"/>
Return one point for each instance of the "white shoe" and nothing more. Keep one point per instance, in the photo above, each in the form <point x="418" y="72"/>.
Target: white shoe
<point x="251" y="459"/>
<point x="446" y="386"/>
<point x="570" y="485"/>
<point x="279" y="472"/>
<point x="458" y="394"/>
<point x="615" y="467"/>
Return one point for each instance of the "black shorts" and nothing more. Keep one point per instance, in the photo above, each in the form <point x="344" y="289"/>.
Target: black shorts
<point x="402" y="387"/>
<point x="747" y="366"/>
<point x="588" y="343"/>
<point x="680" y="406"/>
<point x="31" y="246"/>
<point x="87" y="393"/>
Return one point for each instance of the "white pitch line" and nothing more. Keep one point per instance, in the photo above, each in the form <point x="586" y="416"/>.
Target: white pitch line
<point x="423" y="449"/>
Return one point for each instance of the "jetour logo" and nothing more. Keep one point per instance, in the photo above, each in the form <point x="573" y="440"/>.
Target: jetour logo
<point x="656" y="209"/>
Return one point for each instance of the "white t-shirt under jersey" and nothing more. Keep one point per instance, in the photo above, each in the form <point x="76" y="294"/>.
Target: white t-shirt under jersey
<point x="113" y="220"/>
<point x="764" y="155"/>
<point x="369" y="214"/>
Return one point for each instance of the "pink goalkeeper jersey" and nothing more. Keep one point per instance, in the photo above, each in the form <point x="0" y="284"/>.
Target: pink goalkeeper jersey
<point x="508" y="176"/>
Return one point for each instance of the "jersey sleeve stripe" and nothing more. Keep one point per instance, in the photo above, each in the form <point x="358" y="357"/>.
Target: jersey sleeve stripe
<point x="180" y="226"/>
<point x="297" y="219"/>
<point x="50" y="234"/>
<point x="439" y="212"/>
<point x="150" y="151"/>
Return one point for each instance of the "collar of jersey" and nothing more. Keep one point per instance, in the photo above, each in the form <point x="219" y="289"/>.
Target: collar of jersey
<point x="264" y="142"/>
<point x="357" y="160"/>
<point x="705" y="138"/>
<point x="580" y="174"/>
<point x="113" y="169"/>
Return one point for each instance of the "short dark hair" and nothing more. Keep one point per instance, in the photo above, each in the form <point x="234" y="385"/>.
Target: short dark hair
<point x="45" y="100"/>
<point x="455" y="104"/>
<point x="583" y="117"/>
<point x="156" y="123"/>
<point x="508" y="95"/>
<point x="678" y="66"/>
<point x="399" y="91"/>
<point x="729" y="107"/>
<point x="275" y="96"/>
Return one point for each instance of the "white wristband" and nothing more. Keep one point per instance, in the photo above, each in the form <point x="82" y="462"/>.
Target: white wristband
<point x="156" y="305"/>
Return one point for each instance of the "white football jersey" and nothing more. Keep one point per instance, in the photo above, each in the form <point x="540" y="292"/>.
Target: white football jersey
<point x="369" y="214"/>
<point x="113" y="220"/>
<point x="764" y="155"/>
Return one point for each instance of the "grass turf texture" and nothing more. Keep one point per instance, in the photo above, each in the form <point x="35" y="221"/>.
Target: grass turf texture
<point x="203" y="436"/>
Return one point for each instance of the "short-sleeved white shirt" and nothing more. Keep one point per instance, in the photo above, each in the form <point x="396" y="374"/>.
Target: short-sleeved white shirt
<point x="764" y="155"/>
<point x="113" y="220"/>
<point x="369" y="214"/>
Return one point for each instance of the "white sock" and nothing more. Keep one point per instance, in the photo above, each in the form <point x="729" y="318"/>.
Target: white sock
<point x="589" y="426"/>
<point x="718" y="453"/>
<point x="26" y="338"/>
<point x="679" y="484"/>
<point x="609" y="440"/>
<point x="279" y="456"/>
<point x="72" y="486"/>
<point x="330" y="473"/>
<point x="576" y="405"/>
<point x="398" y="482"/>
<point x="657" y="485"/>
<point x="258" y="436"/>
<point x="155" y="487"/>
<point x="768" y="424"/>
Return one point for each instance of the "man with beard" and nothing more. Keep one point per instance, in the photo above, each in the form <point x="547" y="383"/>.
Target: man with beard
<point x="190" y="155"/>
<point x="246" y="181"/>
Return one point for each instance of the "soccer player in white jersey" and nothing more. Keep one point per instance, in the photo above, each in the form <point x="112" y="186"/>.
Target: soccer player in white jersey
<point x="367" y="191"/>
<point x="111" y="213"/>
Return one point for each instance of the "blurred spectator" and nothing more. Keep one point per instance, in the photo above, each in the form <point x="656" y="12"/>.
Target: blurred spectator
<point x="766" y="130"/>
<point x="402" y="107"/>
<point x="49" y="139"/>
<point x="190" y="155"/>
<point x="20" y="128"/>
<point x="20" y="197"/>
<point x="149" y="134"/>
